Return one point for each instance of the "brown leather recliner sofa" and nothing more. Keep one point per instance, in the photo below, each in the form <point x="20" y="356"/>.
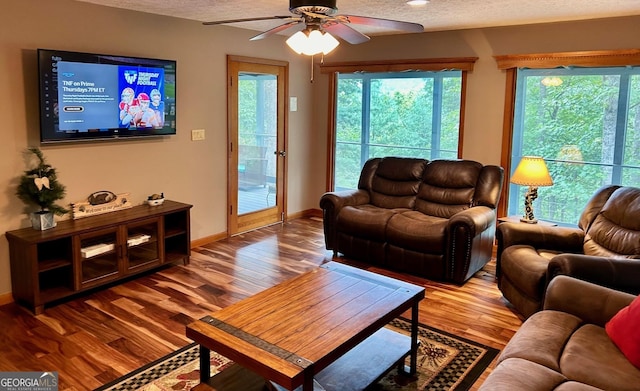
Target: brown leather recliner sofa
<point x="565" y="346"/>
<point x="602" y="249"/>
<point x="434" y="219"/>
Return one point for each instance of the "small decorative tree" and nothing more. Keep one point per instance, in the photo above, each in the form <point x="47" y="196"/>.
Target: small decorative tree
<point x="39" y="186"/>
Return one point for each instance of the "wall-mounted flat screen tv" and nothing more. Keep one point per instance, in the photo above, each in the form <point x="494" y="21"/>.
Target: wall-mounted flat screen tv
<point x="86" y="96"/>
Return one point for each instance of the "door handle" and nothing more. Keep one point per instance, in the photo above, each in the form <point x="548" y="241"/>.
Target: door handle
<point x="281" y="153"/>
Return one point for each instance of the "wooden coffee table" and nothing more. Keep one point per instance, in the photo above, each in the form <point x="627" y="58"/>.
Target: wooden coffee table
<point x="324" y="327"/>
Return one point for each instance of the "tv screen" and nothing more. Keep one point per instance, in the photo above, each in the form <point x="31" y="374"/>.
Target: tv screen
<point x="86" y="96"/>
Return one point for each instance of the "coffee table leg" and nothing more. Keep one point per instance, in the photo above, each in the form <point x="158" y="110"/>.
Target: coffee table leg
<point x="205" y="366"/>
<point x="414" y="339"/>
<point x="308" y="379"/>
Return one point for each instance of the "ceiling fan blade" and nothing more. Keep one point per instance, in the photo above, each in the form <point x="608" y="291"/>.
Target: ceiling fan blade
<point x="345" y="32"/>
<point x="276" y="30"/>
<point x="245" y="20"/>
<point x="378" y="22"/>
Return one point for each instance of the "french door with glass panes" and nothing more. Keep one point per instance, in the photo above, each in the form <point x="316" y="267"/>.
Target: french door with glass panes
<point x="257" y="127"/>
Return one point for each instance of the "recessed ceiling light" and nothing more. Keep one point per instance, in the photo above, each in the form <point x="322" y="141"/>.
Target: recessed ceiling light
<point x="417" y="2"/>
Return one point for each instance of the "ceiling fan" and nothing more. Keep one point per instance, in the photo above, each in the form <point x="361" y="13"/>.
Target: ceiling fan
<point x="319" y="18"/>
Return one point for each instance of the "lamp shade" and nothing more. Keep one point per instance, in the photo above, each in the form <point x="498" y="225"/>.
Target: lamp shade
<point x="532" y="171"/>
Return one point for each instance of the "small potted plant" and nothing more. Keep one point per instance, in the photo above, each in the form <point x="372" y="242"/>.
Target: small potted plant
<point x="39" y="187"/>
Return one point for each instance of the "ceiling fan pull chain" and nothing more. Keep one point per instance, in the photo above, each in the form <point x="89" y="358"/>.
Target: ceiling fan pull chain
<point x="312" y="56"/>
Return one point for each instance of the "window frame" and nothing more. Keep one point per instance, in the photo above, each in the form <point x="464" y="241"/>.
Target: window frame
<point x="463" y="64"/>
<point x="511" y="63"/>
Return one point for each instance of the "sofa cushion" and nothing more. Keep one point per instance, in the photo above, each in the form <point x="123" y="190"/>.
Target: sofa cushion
<point x="395" y="182"/>
<point x="418" y="232"/>
<point x="615" y="232"/>
<point x="366" y="221"/>
<point x="590" y="357"/>
<point x="523" y="375"/>
<point x="447" y="187"/>
<point x="542" y="338"/>
<point x="624" y="331"/>
<point x="575" y="386"/>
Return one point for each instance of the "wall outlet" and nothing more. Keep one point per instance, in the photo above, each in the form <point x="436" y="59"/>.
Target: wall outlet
<point x="197" y="134"/>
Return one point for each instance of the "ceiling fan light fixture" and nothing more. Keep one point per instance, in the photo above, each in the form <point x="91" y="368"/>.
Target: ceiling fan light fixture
<point x="328" y="43"/>
<point x="312" y="42"/>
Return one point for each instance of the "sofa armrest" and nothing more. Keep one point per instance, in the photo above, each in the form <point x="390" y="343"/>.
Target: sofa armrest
<point x="590" y="302"/>
<point x="470" y="236"/>
<point x="562" y="239"/>
<point x="338" y="199"/>
<point x="565" y="239"/>
<point x="476" y="219"/>
<point x="622" y="274"/>
<point x="331" y="204"/>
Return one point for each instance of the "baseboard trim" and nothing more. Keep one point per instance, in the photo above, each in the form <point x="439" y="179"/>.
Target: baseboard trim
<point x="223" y="235"/>
<point x="305" y="213"/>
<point x="208" y="239"/>
<point x="6" y="298"/>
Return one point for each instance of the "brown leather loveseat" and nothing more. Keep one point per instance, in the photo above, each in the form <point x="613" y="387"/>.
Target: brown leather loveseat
<point x="434" y="219"/>
<point x="566" y="346"/>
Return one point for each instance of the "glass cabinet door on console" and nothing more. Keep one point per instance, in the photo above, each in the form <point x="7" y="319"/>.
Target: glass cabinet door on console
<point x="99" y="255"/>
<point x="142" y="248"/>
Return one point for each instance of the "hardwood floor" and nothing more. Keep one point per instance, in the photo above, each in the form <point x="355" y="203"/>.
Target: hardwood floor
<point x="98" y="337"/>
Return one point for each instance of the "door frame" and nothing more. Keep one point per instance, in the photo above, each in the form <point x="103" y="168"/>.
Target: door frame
<point x="237" y="224"/>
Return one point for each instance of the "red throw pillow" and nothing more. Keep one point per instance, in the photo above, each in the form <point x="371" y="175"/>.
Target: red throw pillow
<point x="624" y="331"/>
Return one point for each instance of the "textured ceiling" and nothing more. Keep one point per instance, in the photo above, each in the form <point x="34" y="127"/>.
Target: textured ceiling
<point x="437" y="15"/>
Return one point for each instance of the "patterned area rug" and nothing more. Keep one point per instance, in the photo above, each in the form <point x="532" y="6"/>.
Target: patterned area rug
<point x="445" y="362"/>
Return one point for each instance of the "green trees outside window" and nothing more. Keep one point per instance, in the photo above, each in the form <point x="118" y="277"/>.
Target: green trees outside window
<point x="257" y="117"/>
<point x="585" y="123"/>
<point x="408" y="114"/>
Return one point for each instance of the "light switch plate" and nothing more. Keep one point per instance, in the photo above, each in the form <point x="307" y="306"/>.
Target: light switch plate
<point x="293" y="103"/>
<point x="197" y="134"/>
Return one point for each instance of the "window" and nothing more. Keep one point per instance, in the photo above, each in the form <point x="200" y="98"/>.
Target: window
<point x="408" y="108"/>
<point x="408" y="114"/>
<point x="585" y="123"/>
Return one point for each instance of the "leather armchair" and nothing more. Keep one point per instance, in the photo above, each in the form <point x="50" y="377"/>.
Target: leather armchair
<point x="602" y="249"/>
<point x="434" y="219"/>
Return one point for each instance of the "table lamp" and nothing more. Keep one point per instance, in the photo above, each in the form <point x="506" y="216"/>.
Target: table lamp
<point x="531" y="171"/>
